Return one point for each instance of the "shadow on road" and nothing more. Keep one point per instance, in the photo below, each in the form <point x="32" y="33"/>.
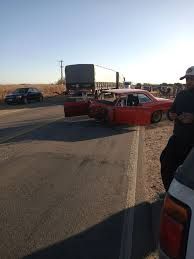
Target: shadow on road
<point x="67" y="131"/>
<point x="103" y="240"/>
<point x="48" y="101"/>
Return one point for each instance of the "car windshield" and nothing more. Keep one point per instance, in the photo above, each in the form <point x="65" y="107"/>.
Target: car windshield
<point x="21" y="91"/>
<point x="184" y="173"/>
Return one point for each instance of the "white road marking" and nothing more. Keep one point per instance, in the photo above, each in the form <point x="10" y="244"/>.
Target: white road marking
<point x="127" y="233"/>
<point x="77" y="118"/>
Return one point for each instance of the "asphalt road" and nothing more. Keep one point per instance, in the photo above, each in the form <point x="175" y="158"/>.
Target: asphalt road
<point x="67" y="188"/>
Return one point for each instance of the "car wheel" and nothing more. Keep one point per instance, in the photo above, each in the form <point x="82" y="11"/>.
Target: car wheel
<point x="25" y="100"/>
<point x="156" y="116"/>
<point x="41" y="99"/>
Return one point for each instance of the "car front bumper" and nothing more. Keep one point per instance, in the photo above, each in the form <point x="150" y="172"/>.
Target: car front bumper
<point x="13" y="100"/>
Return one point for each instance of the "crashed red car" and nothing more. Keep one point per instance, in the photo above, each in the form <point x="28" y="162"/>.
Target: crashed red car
<point x="121" y="106"/>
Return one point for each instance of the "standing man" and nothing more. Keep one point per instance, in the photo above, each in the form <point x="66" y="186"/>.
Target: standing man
<point x="182" y="140"/>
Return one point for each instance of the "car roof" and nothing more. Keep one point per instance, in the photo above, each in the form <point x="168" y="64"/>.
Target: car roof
<point x="125" y="91"/>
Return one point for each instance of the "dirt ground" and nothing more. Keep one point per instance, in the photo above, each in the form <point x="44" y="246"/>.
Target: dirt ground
<point x="156" y="137"/>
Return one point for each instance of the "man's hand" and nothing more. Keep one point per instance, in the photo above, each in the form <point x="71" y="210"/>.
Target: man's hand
<point x="186" y="117"/>
<point x="172" y="116"/>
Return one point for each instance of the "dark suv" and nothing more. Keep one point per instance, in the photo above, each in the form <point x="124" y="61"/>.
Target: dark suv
<point x="24" y="95"/>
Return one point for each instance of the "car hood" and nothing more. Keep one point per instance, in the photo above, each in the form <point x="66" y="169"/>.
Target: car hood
<point x="164" y="100"/>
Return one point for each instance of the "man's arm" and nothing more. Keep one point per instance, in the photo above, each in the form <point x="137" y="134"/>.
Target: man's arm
<point x="186" y="118"/>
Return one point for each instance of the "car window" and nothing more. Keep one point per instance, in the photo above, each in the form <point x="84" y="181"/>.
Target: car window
<point x="35" y="90"/>
<point x="30" y="90"/>
<point x="122" y="102"/>
<point x="21" y="90"/>
<point x="144" y="98"/>
<point x="132" y="100"/>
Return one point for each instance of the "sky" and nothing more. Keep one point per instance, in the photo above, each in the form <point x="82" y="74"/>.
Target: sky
<point x="148" y="41"/>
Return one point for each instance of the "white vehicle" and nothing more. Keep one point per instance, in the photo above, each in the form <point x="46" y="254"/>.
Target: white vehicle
<point x="177" y="219"/>
<point x="91" y="78"/>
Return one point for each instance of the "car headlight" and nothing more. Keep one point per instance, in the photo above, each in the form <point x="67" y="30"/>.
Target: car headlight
<point x="18" y="97"/>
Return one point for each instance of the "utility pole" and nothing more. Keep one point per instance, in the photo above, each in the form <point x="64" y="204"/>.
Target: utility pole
<point x="61" y="66"/>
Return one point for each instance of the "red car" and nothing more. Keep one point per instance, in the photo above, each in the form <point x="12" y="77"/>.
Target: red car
<point x="121" y="106"/>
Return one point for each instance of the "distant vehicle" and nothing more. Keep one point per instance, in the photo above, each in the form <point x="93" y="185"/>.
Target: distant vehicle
<point x="121" y="106"/>
<point x="177" y="217"/>
<point x="91" y="79"/>
<point x="24" y="95"/>
<point x="127" y="84"/>
<point x="147" y="88"/>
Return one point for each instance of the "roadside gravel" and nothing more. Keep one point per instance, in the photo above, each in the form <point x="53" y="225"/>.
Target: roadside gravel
<point x="156" y="138"/>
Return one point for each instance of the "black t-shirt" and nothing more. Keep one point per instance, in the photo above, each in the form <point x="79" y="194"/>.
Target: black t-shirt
<point x="184" y="102"/>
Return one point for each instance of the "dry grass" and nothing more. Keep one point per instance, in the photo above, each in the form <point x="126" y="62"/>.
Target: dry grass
<point x="46" y="89"/>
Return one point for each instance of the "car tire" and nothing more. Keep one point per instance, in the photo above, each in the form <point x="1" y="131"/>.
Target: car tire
<point x="156" y="116"/>
<point x="25" y="100"/>
<point x="41" y="99"/>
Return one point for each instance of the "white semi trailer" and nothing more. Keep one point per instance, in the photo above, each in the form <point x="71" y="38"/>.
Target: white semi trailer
<point x="91" y="79"/>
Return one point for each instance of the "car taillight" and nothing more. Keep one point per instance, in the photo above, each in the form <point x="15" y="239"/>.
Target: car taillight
<point x="174" y="226"/>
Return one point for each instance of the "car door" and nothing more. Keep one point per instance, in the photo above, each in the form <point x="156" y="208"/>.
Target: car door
<point x="37" y="94"/>
<point x="76" y="107"/>
<point x="30" y="94"/>
<point x="145" y="100"/>
<point x="132" y="115"/>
